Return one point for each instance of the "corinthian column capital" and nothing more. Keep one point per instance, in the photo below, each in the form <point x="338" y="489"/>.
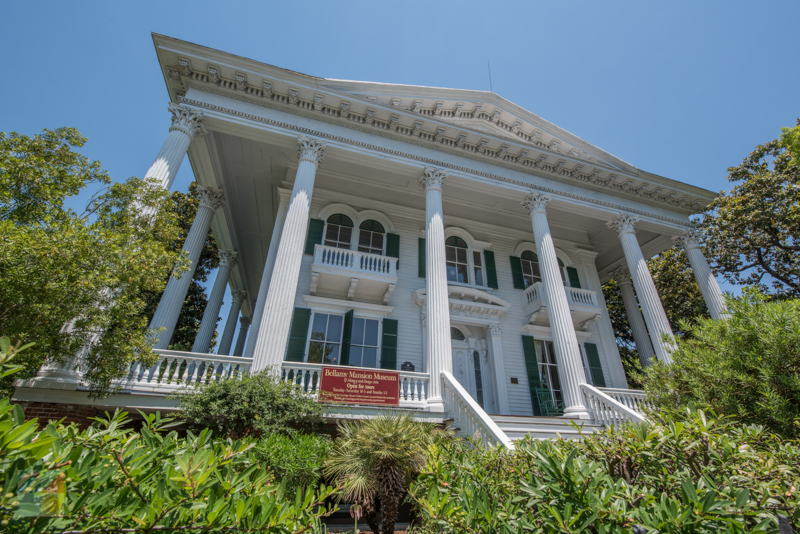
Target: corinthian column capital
<point x="210" y="197"/>
<point x="228" y="258"/>
<point x="689" y="239"/>
<point x="621" y="275"/>
<point x="623" y="223"/>
<point x="432" y="178"/>
<point x="245" y="321"/>
<point x="238" y="296"/>
<point x="187" y="120"/>
<point x="311" y="149"/>
<point x="535" y="202"/>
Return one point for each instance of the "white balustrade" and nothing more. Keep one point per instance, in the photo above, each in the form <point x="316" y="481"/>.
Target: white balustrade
<point x="355" y="261"/>
<point x="468" y="416"/>
<point x="635" y="399"/>
<point x="575" y="295"/>
<point x="532" y="293"/>
<point x="607" y="410"/>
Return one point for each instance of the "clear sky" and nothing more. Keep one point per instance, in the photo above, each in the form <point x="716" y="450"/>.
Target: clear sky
<point x="684" y="89"/>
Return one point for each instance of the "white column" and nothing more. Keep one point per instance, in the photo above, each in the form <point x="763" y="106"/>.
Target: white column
<point x="187" y="124"/>
<point x="440" y="355"/>
<point x="244" y="325"/>
<point x="237" y="297"/>
<point x="169" y="308"/>
<point x="605" y="329"/>
<point x="273" y="331"/>
<point x="496" y="348"/>
<point x="712" y="294"/>
<point x="568" y="353"/>
<point x="638" y="329"/>
<point x="258" y="311"/>
<point x="652" y="309"/>
<point x="202" y="342"/>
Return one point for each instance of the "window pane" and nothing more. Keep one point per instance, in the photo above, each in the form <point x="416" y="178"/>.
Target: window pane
<point x="551" y="353"/>
<point x="355" y="356"/>
<point x="461" y="255"/>
<point x="344" y="234"/>
<point x="370" y="358"/>
<point x="364" y="238"/>
<point x="476" y="259"/>
<point x="371" y="334"/>
<point x="449" y="254"/>
<point x="319" y="327"/>
<point x="527" y="268"/>
<point x="332" y="354"/>
<point x="463" y="274"/>
<point x="358" y="332"/>
<point x="332" y="232"/>
<point x="478" y="276"/>
<point x="452" y="273"/>
<point x="315" y="350"/>
<point x="539" y="350"/>
<point x="554" y="382"/>
<point x="536" y="273"/>
<point x="335" y="328"/>
<point x="377" y="240"/>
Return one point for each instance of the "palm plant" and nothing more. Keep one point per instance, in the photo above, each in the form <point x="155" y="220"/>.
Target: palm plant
<point x="375" y="460"/>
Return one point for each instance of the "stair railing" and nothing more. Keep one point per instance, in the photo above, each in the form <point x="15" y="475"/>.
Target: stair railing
<point x="469" y="417"/>
<point x="608" y="411"/>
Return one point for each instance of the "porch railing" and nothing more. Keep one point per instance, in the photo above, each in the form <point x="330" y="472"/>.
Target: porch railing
<point x="355" y="261"/>
<point x="607" y="410"/>
<point x="467" y="414"/>
<point x="575" y="295"/>
<point x="634" y="399"/>
<point x="413" y="386"/>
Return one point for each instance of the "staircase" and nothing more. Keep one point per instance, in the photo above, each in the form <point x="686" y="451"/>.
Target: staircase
<point x="517" y="426"/>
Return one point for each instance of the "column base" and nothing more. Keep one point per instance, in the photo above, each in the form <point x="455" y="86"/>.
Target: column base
<point x="436" y="405"/>
<point x="578" y="412"/>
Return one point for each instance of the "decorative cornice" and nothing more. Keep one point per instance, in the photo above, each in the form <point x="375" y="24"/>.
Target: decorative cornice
<point x="691" y="238"/>
<point x="432" y="178"/>
<point x="623" y="223"/>
<point x="245" y="321"/>
<point x="210" y="197"/>
<point x="238" y="295"/>
<point x="535" y="202"/>
<point x="187" y="120"/>
<point x="228" y="258"/>
<point x="310" y="149"/>
<point x="416" y="157"/>
<point x="621" y="275"/>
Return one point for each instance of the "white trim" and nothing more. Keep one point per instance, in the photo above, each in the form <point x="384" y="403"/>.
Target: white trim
<point x="543" y="332"/>
<point x="472" y="243"/>
<point x="531" y="246"/>
<point x="375" y="215"/>
<point x="362" y="309"/>
<point x="333" y="209"/>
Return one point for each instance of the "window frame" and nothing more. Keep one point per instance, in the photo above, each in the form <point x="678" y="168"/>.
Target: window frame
<point x="353" y="230"/>
<point x="311" y="320"/>
<point x="357" y="237"/>
<point x="315" y="312"/>
<point x="471" y="252"/>
<point x="563" y="262"/>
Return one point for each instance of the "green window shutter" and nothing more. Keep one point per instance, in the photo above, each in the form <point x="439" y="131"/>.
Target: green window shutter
<point x="516" y="272"/>
<point x="347" y="336"/>
<point x="314" y="237"/>
<point x="595" y="368"/>
<point x="491" y="271"/>
<point x="421" y="257"/>
<point x="296" y="349"/>
<point x="532" y="367"/>
<point x="393" y="247"/>
<point x="572" y="274"/>
<point x="389" y="345"/>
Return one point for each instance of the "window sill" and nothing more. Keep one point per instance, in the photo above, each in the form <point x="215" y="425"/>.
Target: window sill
<point x="471" y="286"/>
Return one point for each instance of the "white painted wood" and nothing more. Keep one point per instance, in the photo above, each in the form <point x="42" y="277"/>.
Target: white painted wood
<point x="244" y="325"/>
<point x="237" y="297"/>
<point x="607" y="410"/>
<point x="468" y="416"/>
<point x="202" y="342"/>
<point x="643" y="346"/>
<point x="634" y="399"/>
<point x="499" y="372"/>
<point x="712" y="294"/>
<point x="187" y="123"/>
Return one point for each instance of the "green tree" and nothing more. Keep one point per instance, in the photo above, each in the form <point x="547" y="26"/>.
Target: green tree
<point x="74" y="282"/>
<point x="185" y="206"/>
<point x="753" y="231"/>
<point x="375" y="460"/>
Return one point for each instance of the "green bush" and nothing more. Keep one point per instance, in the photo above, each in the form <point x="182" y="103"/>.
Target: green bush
<point x="697" y="476"/>
<point x="747" y="366"/>
<point x="295" y="461"/>
<point x="251" y="405"/>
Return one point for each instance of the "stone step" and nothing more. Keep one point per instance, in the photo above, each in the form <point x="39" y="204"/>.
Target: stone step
<point x="517" y="427"/>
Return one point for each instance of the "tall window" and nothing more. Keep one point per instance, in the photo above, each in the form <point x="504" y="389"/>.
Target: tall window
<point x="476" y="361"/>
<point x="548" y="369"/>
<point x="530" y="268"/>
<point x="338" y="231"/>
<point x="364" y="343"/>
<point x="326" y="339"/>
<point x="456" y="257"/>
<point x="370" y="237"/>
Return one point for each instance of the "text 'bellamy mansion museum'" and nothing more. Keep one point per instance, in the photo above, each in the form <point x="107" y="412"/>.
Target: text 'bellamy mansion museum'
<point x="447" y="242"/>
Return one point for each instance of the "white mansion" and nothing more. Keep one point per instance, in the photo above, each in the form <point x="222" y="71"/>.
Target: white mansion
<point x="447" y="234"/>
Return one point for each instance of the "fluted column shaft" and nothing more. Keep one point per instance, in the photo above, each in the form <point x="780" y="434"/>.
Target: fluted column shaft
<point x="440" y="354"/>
<point x="244" y="325"/>
<point x="496" y="345"/>
<point x="652" y="309"/>
<point x="712" y="294"/>
<point x="568" y="354"/>
<point x="237" y="297"/>
<point x="261" y="299"/>
<point x="186" y="125"/>
<point x="169" y="308"/>
<point x="273" y="331"/>
<point x="202" y="342"/>
<point x="643" y="346"/>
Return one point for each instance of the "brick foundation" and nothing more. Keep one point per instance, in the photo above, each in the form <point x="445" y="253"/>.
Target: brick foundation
<point x="50" y="411"/>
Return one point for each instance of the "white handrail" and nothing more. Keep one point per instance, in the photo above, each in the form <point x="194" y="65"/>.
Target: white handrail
<point x="575" y="295"/>
<point x="469" y="416"/>
<point x="608" y="411"/>
<point x="354" y="260"/>
<point x="635" y="399"/>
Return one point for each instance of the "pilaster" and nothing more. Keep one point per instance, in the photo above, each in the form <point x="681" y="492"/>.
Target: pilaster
<point x="496" y="348"/>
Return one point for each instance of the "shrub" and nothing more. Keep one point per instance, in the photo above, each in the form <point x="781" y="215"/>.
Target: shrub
<point x="295" y="461"/>
<point x="746" y="366"/>
<point x="251" y="405"/>
<point x="701" y="476"/>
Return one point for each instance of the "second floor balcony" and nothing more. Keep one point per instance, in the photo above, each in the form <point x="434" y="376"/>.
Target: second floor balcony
<point x="583" y="305"/>
<point x="351" y="274"/>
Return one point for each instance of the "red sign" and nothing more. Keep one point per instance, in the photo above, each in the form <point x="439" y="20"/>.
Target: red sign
<point x="356" y="385"/>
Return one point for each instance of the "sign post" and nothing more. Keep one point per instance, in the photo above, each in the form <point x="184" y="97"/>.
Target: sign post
<point x="350" y="385"/>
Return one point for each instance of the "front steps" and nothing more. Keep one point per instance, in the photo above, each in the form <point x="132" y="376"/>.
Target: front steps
<point x="518" y="426"/>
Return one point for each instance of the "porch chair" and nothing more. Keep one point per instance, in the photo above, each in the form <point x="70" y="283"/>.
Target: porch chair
<point x="548" y="406"/>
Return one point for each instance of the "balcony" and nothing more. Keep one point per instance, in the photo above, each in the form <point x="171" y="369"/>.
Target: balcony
<point x="582" y="305"/>
<point x="353" y="275"/>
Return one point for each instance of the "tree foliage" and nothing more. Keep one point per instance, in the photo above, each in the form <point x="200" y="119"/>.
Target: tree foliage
<point x="77" y="282"/>
<point x="753" y="230"/>
<point x="687" y="475"/>
<point x="296" y="460"/>
<point x="746" y="367"/>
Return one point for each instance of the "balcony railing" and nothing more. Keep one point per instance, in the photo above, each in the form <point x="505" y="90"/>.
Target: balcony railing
<point x="575" y="295"/>
<point x="355" y="261"/>
<point x="582" y="303"/>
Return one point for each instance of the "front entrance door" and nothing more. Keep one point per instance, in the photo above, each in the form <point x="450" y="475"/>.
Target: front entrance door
<point x="470" y="367"/>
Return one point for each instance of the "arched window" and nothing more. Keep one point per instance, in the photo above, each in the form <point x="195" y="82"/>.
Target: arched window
<point x="338" y="231"/>
<point x="530" y="268"/>
<point x="370" y="237"/>
<point x="456" y="334"/>
<point x="456" y="254"/>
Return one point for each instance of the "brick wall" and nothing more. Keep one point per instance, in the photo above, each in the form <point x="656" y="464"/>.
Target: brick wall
<point x="47" y="411"/>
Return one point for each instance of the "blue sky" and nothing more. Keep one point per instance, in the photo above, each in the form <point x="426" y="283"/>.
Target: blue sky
<point x="684" y="89"/>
